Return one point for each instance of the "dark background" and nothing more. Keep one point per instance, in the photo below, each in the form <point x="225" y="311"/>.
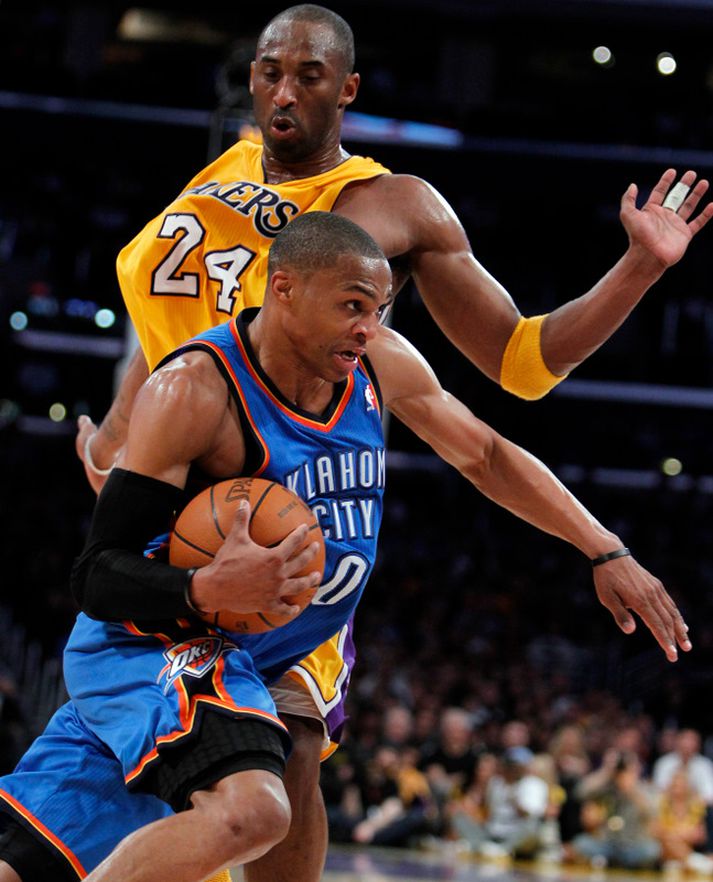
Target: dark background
<point x="107" y="111"/>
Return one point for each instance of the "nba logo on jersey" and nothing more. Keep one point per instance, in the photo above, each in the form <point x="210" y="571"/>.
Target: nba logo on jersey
<point x="369" y="398"/>
<point x="193" y="657"/>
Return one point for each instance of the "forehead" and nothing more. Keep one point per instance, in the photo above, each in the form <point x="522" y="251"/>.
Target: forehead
<point x="298" y="41"/>
<point x="353" y="271"/>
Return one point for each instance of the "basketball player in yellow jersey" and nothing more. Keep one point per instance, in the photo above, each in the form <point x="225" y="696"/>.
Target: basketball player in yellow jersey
<point x="203" y="258"/>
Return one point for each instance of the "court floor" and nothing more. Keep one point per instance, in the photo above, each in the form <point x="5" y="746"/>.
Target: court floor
<point x="365" y="864"/>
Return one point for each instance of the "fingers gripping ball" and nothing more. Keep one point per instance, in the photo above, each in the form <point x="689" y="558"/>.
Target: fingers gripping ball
<point x="275" y="511"/>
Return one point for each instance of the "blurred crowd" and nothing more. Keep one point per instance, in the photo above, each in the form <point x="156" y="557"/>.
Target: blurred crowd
<point x="601" y="788"/>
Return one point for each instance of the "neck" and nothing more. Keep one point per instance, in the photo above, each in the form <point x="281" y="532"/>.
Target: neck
<point x="277" y="170"/>
<point x="296" y="383"/>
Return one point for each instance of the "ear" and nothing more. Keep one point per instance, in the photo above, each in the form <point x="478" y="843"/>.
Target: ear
<point x="252" y="74"/>
<point x="281" y="285"/>
<point x="349" y="90"/>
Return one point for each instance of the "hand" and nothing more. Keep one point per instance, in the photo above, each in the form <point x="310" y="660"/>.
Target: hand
<point x="96" y="470"/>
<point x="624" y="585"/>
<point x="662" y="232"/>
<point x="247" y="577"/>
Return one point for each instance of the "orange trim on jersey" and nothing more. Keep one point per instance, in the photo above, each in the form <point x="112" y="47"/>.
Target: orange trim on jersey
<point x="176" y="736"/>
<point x="297" y="417"/>
<point x="226" y="364"/>
<point x="40" y="827"/>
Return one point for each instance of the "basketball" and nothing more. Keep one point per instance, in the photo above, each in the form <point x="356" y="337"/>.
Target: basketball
<point x="275" y="511"/>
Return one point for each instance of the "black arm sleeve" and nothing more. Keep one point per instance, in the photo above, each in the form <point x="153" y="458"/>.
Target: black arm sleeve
<point x="112" y="579"/>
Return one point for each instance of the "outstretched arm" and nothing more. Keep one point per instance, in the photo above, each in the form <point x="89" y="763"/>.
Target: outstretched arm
<point x="658" y="238"/>
<point x="409" y="218"/>
<point x="519" y="482"/>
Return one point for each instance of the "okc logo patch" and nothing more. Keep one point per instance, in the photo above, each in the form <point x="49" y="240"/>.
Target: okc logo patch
<point x="194" y="657"/>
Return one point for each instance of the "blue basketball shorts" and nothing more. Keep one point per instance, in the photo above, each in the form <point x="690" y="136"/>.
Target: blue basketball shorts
<point x="90" y="779"/>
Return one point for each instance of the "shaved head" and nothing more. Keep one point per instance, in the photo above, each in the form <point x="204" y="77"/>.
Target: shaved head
<point x="342" y="38"/>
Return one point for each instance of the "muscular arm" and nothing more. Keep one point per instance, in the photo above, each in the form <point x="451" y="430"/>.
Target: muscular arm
<point x="180" y="416"/>
<point x="408" y="216"/>
<point x="519" y="482"/>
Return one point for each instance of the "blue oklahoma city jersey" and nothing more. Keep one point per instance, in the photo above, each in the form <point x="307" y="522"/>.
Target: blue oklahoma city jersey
<point x="335" y="462"/>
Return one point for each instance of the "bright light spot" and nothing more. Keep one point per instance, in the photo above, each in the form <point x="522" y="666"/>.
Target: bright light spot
<point x="18" y="321"/>
<point x="665" y="63"/>
<point x="104" y="318"/>
<point x="602" y="55"/>
<point x="671" y="466"/>
<point x="58" y="412"/>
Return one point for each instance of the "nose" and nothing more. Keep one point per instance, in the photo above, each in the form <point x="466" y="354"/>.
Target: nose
<point x="284" y="94"/>
<point x="366" y="326"/>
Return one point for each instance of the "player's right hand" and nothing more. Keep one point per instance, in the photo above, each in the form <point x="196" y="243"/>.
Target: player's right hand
<point x="247" y="577"/>
<point x="623" y="585"/>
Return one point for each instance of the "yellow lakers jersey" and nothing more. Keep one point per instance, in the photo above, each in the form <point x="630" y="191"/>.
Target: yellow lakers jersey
<point x="204" y="258"/>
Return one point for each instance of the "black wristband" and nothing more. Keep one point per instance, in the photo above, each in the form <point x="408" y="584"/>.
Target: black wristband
<point x="611" y="555"/>
<point x="187" y="592"/>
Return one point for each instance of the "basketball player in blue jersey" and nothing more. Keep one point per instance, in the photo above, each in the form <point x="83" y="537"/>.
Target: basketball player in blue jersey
<point x="167" y="711"/>
<point x="302" y="80"/>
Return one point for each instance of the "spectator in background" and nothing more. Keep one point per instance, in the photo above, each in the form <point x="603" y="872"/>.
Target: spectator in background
<point x="515" y="733"/>
<point x="516" y="802"/>
<point x="398" y="727"/>
<point x="397" y="800"/>
<point x="449" y="765"/>
<point x="686" y="755"/>
<point x="569" y="753"/>
<point x="470" y="811"/>
<point x="680" y="826"/>
<point x="618" y="810"/>
<point x="550" y="845"/>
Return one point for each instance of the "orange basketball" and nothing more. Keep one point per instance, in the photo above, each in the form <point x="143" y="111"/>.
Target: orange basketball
<point x="275" y="511"/>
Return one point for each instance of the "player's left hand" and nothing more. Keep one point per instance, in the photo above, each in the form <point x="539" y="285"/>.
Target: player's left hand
<point x="86" y="435"/>
<point x="664" y="232"/>
<point x="624" y="586"/>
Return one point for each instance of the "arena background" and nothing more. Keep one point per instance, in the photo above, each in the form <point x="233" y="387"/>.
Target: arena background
<point x="107" y="110"/>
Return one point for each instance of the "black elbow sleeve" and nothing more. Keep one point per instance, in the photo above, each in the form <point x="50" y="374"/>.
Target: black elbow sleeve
<point x="112" y="579"/>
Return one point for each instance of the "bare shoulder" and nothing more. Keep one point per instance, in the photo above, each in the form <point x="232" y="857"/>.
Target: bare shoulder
<point x="404" y="213"/>
<point x="190" y="383"/>
<point x="387" y="191"/>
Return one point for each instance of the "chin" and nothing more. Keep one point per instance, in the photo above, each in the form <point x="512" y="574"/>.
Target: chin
<point x="288" y="151"/>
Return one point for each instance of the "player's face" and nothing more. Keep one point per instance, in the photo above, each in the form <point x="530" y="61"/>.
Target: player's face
<point x="337" y="312"/>
<point x="299" y="90"/>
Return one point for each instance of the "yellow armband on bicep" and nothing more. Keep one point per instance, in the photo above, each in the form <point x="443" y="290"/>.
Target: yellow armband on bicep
<point x="523" y="370"/>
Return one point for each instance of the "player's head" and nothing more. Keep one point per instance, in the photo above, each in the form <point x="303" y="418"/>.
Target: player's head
<point x="301" y="81"/>
<point x="330" y="284"/>
<point x="317" y="240"/>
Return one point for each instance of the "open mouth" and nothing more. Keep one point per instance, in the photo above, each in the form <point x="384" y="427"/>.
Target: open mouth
<point x="349" y="356"/>
<point x="282" y="125"/>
